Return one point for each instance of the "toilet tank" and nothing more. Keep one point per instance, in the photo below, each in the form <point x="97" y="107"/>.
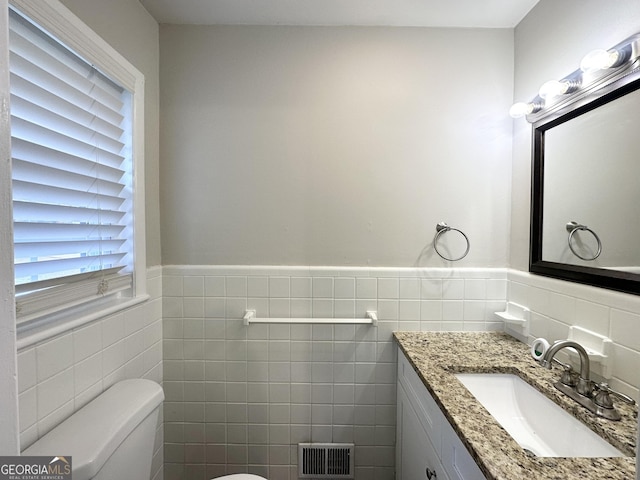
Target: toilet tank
<point x="112" y="437"/>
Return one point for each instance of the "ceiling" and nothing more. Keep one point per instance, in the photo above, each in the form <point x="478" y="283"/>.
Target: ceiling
<point x="419" y="13"/>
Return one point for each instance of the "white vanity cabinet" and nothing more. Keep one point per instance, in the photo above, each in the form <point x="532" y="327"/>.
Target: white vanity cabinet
<point x="427" y="448"/>
<point x="416" y="457"/>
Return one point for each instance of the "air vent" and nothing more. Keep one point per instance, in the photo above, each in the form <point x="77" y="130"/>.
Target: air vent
<point x="325" y="460"/>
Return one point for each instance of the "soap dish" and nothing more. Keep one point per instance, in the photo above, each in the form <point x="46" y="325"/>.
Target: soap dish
<point x="516" y="316"/>
<point x="598" y="347"/>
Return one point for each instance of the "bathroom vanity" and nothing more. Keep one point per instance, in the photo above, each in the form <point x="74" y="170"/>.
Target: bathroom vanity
<point x="445" y="433"/>
<point x="427" y="446"/>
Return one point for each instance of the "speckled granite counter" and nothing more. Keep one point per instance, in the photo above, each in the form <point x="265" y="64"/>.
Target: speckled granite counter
<point x="436" y="357"/>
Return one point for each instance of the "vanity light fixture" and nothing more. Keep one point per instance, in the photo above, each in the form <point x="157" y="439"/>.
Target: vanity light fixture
<point x="597" y="68"/>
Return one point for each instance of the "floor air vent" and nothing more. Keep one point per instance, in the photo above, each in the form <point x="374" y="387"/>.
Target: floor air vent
<point x="325" y="460"/>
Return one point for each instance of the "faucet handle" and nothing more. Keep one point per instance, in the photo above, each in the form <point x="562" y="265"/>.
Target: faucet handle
<point x="566" y="366"/>
<point x="603" y="399"/>
<point x="569" y="376"/>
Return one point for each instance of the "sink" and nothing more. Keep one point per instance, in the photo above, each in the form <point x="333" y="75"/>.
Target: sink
<point x="534" y="421"/>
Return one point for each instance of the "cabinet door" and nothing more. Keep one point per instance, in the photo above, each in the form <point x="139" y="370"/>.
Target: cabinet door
<point x="416" y="457"/>
<point x="456" y="458"/>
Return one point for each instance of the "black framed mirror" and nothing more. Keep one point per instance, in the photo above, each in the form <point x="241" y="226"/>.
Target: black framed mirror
<point x="585" y="216"/>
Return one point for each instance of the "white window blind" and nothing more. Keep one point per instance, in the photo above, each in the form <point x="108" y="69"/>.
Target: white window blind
<point x="72" y="175"/>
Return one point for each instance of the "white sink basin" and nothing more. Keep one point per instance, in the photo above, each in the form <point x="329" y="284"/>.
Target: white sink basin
<point x="533" y="420"/>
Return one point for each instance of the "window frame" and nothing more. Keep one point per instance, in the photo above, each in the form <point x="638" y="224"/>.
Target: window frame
<point x="60" y="22"/>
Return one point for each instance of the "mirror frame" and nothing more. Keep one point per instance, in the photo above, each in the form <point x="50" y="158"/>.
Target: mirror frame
<point x="608" y="87"/>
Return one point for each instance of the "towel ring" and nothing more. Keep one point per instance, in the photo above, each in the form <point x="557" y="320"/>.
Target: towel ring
<point x="572" y="228"/>
<point x="441" y="228"/>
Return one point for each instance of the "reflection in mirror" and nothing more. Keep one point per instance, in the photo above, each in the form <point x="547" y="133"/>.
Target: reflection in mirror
<point x="591" y="172"/>
<point x="585" y="223"/>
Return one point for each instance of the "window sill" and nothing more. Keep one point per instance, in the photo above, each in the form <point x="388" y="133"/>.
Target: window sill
<point x="35" y="331"/>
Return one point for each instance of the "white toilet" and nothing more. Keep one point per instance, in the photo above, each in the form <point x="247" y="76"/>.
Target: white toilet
<point x="112" y="437"/>
<point x="240" y="476"/>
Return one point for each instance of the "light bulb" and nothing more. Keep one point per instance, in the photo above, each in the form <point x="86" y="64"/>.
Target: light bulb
<point x="599" y="60"/>
<point x="552" y="88"/>
<point x="521" y="109"/>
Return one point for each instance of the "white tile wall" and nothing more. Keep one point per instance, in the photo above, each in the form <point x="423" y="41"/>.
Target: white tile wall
<point x="62" y="374"/>
<point x="556" y="305"/>
<point x="240" y="398"/>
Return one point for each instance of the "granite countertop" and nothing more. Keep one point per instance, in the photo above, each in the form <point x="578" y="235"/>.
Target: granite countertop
<point x="437" y="356"/>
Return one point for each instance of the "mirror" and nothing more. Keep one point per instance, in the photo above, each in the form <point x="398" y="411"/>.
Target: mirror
<point x="585" y="222"/>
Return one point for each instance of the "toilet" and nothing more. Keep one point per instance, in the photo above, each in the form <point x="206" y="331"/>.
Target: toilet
<point x="112" y="437"/>
<point x="240" y="476"/>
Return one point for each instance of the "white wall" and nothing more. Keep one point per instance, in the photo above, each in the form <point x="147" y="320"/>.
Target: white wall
<point x="240" y="398"/>
<point x="60" y="375"/>
<point x="557" y="305"/>
<point x="319" y="146"/>
<point x="333" y="146"/>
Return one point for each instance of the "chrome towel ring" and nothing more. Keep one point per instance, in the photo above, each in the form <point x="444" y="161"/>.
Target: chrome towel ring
<point x="441" y="228"/>
<point x="572" y="228"/>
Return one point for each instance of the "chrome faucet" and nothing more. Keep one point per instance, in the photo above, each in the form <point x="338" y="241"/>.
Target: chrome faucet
<point x="594" y="397"/>
<point x="584" y="385"/>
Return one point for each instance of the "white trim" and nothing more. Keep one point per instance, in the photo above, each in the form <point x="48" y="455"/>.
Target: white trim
<point x="339" y="271"/>
<point x="9" y="429"/>
<point x="50" y="301"/>
<point x="611" y="298"/>
<point x="58" y="20"/>
<point x="47" y="331"/>
<point x="154" y="272"/>
<point x="139" y="216"/>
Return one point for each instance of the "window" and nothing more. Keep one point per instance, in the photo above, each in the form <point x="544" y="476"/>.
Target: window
<point x="77" y="238"/>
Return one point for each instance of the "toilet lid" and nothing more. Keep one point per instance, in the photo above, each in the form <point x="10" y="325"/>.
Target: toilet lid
<point x="240" y="476"/>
